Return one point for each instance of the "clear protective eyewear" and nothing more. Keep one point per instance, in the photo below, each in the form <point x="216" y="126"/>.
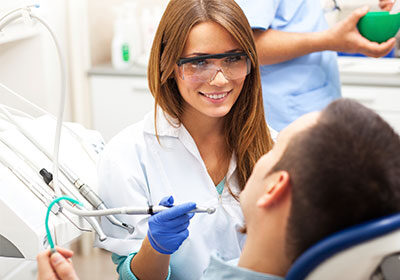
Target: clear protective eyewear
<point x="204" y="68"/>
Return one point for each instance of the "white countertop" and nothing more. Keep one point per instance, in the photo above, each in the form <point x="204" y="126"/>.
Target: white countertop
<point x="370" y="71"/>
<point x="109" y="70"/>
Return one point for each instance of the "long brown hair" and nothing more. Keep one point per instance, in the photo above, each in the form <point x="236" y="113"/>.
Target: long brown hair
<point x="246" y="132"/>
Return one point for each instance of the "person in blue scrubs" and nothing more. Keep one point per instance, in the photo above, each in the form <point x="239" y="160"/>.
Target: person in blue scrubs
<point x="297" y="51"/>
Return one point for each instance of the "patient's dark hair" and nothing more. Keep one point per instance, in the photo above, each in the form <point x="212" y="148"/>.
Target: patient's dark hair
<point x="344" y="170"/>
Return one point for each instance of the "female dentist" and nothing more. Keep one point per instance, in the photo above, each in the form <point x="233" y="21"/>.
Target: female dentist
<point x="200" y="144"/>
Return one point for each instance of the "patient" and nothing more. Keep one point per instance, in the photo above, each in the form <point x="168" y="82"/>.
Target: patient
<point x="327" y="171"/>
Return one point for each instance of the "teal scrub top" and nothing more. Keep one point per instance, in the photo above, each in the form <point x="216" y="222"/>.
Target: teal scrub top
<point x="301" y="85"/>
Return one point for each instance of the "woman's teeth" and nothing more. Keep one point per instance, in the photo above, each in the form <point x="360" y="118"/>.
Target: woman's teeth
<point x="216" y="96"/>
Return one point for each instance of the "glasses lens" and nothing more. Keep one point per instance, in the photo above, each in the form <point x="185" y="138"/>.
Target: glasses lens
<point x="235" y="67"/>
<point x="204" y="70"/>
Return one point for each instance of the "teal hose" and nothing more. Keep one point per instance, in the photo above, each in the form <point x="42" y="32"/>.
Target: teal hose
<point x="52" y="248"/>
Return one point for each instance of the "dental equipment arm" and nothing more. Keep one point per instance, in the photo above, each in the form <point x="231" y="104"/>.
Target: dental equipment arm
<point x="92" y="221"/>
<point x="83" y="188"/>
<point x="46" y="197"/>
<point x="14" y="11"/>
<point x="90" y="196"/>
<point x="87" y="147"/>
<point x="32" y="165"/>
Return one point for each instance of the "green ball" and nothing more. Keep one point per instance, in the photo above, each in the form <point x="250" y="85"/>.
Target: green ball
<point x="379" y="26"/>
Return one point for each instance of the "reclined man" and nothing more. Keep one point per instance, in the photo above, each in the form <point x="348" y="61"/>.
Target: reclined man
<point x="327" y="171"/>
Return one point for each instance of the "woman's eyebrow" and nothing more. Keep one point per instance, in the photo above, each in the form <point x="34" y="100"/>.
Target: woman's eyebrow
<point x="198" y="53"/>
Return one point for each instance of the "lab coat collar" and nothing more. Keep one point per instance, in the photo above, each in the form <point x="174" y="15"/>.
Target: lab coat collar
<point x="232" y="167"/>
<point x="169" y="126"/>
<point x="166" y="125"/>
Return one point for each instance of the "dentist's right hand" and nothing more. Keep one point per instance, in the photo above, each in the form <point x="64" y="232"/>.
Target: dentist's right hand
<point x="168" y="229"/>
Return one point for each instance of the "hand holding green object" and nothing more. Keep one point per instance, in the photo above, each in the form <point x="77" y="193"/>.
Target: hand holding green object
<point x="379" y="26"/>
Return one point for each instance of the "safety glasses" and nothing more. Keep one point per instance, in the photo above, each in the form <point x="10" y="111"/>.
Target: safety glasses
<point x="204" y="68"/>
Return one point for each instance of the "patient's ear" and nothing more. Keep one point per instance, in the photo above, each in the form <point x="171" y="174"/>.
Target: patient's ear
<point x="276" y="186"/>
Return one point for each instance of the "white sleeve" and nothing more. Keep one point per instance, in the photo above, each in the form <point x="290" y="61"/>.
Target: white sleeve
<point x="122" y="183"/>
<point x="260" y="13"/>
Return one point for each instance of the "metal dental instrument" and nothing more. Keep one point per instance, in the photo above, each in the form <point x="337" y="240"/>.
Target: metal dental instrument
<point x="45" y="198"/>
<point x="90" y="196"/>
<point x="199" y="209"/>
<point x="93" y="222"/>
<point x="140" y="211"/>
<point x="83" y="188"/>
<point x="42" y="196"/>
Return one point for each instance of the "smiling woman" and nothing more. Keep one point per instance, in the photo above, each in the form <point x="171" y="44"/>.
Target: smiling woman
<point x="200" y="144"/>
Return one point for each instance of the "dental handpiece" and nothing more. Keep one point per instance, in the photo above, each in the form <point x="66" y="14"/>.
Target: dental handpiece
<point x="140" y="211"/>
<point x="198" y="209"/>
<point x="91" y="197"/>
<point x="98" y="204"/>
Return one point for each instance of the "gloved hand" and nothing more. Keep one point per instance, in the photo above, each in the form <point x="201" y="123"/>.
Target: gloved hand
<point x="168" y="229"/>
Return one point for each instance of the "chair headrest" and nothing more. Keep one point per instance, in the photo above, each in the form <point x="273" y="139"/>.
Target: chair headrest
<point x="354" y="252"/>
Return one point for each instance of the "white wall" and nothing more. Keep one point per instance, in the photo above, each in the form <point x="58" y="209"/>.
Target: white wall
<point x="101" y="18"/>
<point x="30" y="66"/>
<point x="349" y="6"/>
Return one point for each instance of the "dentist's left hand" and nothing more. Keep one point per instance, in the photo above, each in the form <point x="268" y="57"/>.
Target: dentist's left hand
<point x="168" y="229"/>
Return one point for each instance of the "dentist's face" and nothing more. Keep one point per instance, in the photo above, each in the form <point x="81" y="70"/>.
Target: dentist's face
<point x="213" y="98"/>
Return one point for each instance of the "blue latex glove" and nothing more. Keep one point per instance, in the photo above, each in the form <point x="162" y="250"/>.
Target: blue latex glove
<point x="168" y="229"/>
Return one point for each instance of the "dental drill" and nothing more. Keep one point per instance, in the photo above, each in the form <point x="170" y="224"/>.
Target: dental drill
<point x="46" y="200"/>
<point x="83" y="188"/>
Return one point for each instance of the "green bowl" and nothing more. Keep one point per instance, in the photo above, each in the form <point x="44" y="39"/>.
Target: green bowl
<point x="379" y="26"/>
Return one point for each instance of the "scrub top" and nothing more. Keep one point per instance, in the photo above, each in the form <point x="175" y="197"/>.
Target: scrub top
<point x="301" y="85"/>
<point x="134" y="159"/>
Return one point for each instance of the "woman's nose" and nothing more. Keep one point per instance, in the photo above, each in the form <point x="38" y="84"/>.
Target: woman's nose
<point x="219" y="79"/>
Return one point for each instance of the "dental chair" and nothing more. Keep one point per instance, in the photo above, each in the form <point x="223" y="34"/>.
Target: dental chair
<point x="369" y="251"/>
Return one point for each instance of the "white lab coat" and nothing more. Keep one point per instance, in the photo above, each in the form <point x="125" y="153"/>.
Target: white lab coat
<point x="134" y="159"/>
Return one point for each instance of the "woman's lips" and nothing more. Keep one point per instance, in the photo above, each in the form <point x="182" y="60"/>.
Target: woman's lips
<point x="216" y="95"/>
